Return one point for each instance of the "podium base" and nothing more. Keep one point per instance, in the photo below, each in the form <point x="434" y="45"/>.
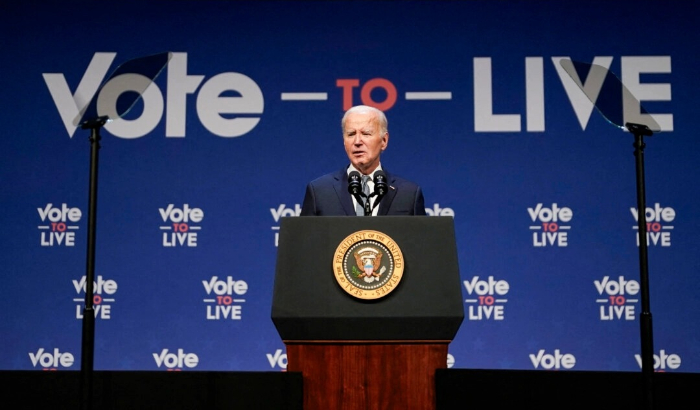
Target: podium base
<point x="367" y="375"/>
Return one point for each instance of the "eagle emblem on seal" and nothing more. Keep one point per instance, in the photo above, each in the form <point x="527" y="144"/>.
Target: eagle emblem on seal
<point x="368" y="261"/>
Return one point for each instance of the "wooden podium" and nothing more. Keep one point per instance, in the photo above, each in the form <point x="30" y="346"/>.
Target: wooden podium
<point x="364" y="354"/>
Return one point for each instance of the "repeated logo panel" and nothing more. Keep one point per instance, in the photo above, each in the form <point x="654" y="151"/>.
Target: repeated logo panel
<point x="194" y="181"/>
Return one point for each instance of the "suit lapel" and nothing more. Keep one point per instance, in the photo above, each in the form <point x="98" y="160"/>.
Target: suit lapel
<point x="341" y="189"/>
<point x="389" y="196"/>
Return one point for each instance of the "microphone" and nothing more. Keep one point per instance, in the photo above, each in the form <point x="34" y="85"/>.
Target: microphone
<point x="354" y="183"/>
<point x="380" y="185"/>
<point x="355" y="189"/>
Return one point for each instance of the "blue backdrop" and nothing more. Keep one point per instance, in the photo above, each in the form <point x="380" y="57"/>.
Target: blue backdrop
<point x="193" y="183"/>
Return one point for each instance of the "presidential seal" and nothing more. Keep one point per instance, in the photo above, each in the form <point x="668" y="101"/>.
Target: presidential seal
<point x="368" y="265"/>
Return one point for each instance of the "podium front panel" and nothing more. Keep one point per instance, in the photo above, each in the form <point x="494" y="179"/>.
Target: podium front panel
<point x="309" y="304"/>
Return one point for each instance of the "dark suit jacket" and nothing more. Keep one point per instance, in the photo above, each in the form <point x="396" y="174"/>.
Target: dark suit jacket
<point x="329" y="196"/>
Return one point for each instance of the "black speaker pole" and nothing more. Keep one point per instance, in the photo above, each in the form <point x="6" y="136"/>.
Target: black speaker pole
<point x="88" y="336"/>
<point x="647" y="345"/>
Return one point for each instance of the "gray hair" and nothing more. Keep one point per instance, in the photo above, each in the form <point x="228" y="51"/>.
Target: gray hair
<point x="383" y="122"/>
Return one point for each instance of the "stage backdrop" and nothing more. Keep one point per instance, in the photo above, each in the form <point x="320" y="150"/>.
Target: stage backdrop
<point x="193" y="183"/>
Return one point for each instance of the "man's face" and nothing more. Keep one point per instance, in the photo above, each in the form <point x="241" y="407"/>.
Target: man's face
<point x="364" y="141"/>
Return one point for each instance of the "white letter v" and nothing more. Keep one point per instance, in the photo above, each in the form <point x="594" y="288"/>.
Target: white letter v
<point x="70" y="106"/>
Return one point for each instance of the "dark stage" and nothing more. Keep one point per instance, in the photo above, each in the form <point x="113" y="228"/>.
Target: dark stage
<point x="455" y="389"/>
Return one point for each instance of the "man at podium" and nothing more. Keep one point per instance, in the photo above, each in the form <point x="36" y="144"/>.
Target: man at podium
<point x="378" y="299"/>
<point x="365" y="136"/>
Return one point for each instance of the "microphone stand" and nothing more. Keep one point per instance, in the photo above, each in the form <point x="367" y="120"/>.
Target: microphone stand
<point x="88" y="334"/>
<point x="368" y="207"/>
<point x="647" y="344"/>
